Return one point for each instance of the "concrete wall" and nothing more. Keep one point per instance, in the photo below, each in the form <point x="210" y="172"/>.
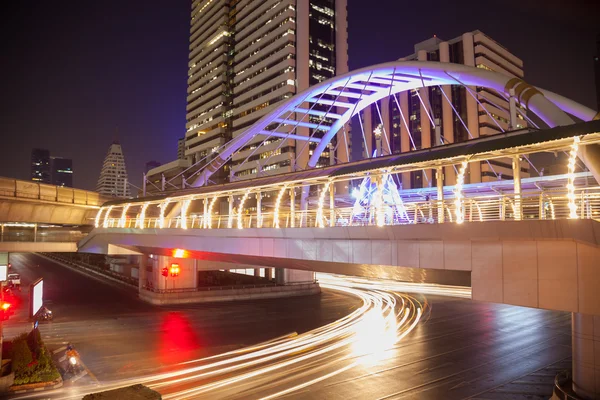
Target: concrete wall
<point x="43" y="247"/>
<point x="545" y="264"/>
<point x="31" y="211"/>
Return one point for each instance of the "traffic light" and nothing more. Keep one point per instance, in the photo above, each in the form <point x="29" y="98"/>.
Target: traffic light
<point x="165" y="271"/>
<point x="6" y="310"/>
<point x="174" y="270"/>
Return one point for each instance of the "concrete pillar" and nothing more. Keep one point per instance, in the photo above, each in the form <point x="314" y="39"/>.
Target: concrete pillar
<point x="447" y="115"/>
<point x="425" y="122"/>
<point x="440" y="194"/>
<point x="586" y="355"/>
<point x="2" y="233"/>
<point x="142" y="273"/>
<point x="516" y="166"/>
<point x="280" y="277"/>
<point x="405" y="143"/>
<point x="387" y="128"/>
<point x="256" y="272"/>
<point x="472" y="107"/>
<point x="35" y="232"/>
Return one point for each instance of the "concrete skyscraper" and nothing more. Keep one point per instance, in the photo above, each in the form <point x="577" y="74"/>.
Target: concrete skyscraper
<point x="412" y="128"/>
<point x="40" y="166"/>
<point x="61" y="171"/>
<point x="246" y="57"/>
<point x="113" y="176"/>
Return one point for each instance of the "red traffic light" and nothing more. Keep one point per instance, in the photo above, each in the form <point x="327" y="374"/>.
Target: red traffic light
<point x="174" y="270"/>
<point x="165" y="271"/>
<point x="5" y="310"/>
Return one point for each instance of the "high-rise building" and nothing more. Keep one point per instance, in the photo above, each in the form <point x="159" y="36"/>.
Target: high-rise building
<point x="406" y="122"/>
<point x="113" y="176"/>
<point x="181" y="148"/>
<point x="40" y="166"/>
<point x="61" y="171"/>
<point x="246" y="57"/>
<point x="597" y="68"/>
<point x="152" y="164"/>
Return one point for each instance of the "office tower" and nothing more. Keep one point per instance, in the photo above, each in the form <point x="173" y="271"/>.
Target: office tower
<point x="415" y="130"/>
<point x="246" y="57"/>
<point x="181" y="148"/>
<point x="61" y="171"/>
<point x="113" y="176"/>
<point x="40" y="166"/>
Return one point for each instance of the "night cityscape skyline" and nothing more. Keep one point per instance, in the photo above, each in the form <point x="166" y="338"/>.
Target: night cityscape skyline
<point x="305" y="199"/>
<point x="130" y="74"/>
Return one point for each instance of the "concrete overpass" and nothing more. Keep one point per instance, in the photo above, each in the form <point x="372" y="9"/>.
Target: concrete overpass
<point x="32" y="202"/>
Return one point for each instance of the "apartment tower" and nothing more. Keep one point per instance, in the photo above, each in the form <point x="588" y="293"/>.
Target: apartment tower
<point x="247" y="56"/>
<point x="113" y="176"/>
<point x="474" y="49"/>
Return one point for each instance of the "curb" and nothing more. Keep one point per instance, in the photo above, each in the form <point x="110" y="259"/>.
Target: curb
<point x="56" y="385"/>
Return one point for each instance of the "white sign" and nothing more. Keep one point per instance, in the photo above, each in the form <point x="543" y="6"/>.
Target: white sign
<point x="37" y="299"/>
<point x="3" y="272"/>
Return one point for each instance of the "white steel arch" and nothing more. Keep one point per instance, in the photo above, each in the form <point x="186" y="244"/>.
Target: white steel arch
<point x="346" y="95"/>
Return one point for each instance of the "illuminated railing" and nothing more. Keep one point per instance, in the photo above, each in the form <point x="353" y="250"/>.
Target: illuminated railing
<point x="539" y="205"/>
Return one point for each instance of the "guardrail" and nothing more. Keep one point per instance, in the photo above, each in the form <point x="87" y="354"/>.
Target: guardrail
<point x="563" y="380"/>
<point x="542" y="205"/>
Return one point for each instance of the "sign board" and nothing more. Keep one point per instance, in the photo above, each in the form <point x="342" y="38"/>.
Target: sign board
<point x="3" y="272"/>
<point x="36" y="296"/>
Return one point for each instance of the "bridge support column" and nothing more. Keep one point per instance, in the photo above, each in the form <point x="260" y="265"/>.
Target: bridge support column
<point x="516" y="167"/>
<point x="586" y="355"/>
<point x="439" y="176"/>
<point x="142" y="272"/>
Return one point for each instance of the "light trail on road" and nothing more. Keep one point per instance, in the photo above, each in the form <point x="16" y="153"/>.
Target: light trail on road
<point x="289" y="363"/>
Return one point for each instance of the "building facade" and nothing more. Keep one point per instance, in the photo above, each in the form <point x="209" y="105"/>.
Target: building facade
<point x="40" y="166"/>
<point x="61" y="171"/>
<point x="113" y="175"/>
<point x="247" y="56"/>
<point x="427" y="117"/>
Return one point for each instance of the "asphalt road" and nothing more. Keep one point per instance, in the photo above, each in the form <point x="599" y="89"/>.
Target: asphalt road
<point x="459" y="349"/>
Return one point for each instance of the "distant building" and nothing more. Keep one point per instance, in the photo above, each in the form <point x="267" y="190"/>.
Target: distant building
<point x="415" y="131"/>
<point x="152" y="164"/>
<point x="40" y="166"/>
<point x="113" y="176"/>
<point x="181" y="148"/>
<point x="61" y="171"/>
<point x="597" y="67"/>
<point x="245" y="59"/>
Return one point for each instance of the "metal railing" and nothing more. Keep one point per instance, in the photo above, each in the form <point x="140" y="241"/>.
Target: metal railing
<point x="29" y="235"/>
<point x="540" y="205"/>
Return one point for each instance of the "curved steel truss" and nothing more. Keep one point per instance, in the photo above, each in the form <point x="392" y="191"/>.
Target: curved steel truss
<point x="325" y="108"/>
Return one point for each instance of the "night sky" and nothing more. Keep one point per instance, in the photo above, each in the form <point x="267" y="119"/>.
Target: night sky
<point x="77" y="75"/>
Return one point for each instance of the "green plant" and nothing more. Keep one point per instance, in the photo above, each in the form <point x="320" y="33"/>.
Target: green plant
<point x="21" y="355"/>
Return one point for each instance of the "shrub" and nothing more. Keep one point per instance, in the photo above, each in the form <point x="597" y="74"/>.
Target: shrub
<point x="21" y="355"/>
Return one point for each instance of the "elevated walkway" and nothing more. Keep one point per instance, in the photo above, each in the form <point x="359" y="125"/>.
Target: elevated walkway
<point x="550" y="264"/>
<point x="32" y="202"/>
